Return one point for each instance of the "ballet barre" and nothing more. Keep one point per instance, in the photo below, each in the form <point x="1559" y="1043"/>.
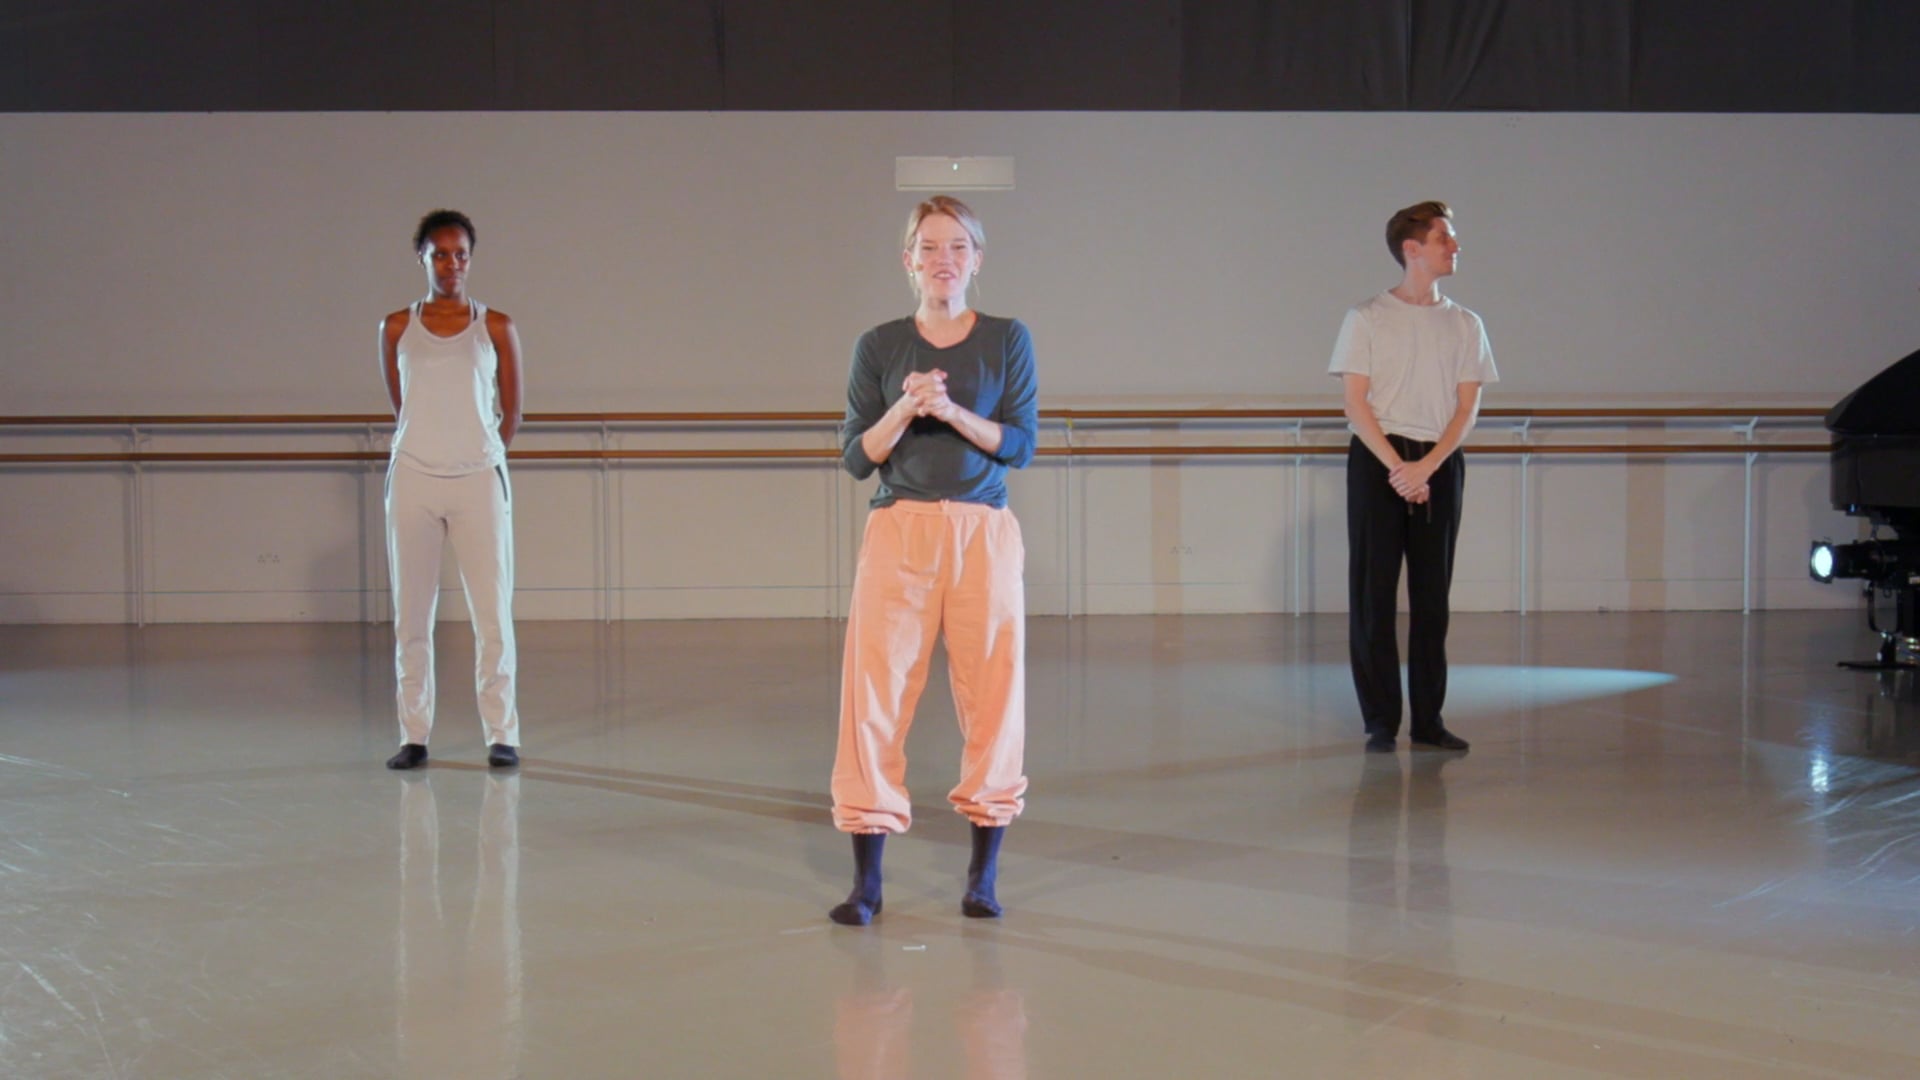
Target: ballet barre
<point x="1076" y="439"/>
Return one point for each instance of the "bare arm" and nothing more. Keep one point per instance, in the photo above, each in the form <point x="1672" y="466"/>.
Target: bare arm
<point x="976" y="429"/>
<point x="391" y="328"/>
<point x="1466" y="412"/>
<point x="1365" y="424"/>
<point x="878" y="441"/>
<point x="506" y="346"/>
<point x="986" y="434"/>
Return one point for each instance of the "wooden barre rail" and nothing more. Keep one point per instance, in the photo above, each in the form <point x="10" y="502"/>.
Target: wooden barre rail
<point x="1069" y="415"/>
<point x="386" y="419"/>
<point x="775" y="454"/>
<point x="1604" y="413"/>
<point x="1328" y="450"/>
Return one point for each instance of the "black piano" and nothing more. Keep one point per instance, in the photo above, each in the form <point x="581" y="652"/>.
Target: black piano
<point x="1876" y="448"/>
<point x="1876" y="475"/>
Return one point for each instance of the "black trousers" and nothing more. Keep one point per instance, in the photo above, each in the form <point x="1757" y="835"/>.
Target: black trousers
<point x="1383" y="530"/>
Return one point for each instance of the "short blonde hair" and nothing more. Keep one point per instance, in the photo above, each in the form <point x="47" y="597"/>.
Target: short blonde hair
<point x="951" y="207"/>
<point x="1414" y="223"/>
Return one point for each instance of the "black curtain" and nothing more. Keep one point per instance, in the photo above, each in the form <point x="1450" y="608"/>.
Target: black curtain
<point x="1434" y="55"/>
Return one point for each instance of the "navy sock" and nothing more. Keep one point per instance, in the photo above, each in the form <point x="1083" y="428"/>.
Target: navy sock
<point x="863" y="903"/>
<point x="982" y="872"/>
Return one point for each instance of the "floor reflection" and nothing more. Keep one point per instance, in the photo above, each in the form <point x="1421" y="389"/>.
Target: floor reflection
<point x="457" y="958"/>
<point x="1400" y="893"/>
<point x="1712" y="876"/>
<point x="873" y="1019"/>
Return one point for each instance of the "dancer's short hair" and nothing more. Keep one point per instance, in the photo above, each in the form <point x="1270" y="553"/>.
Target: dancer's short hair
<point x="953" y="208"/>
<point x="1414" y="223"/>
<point x="441" y="219"/>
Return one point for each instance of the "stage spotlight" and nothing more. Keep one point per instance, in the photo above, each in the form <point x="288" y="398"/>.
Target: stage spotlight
<point x="1820" y="563"/>
<point x="1889" y="570"/>
<point x="1883" y="564"/>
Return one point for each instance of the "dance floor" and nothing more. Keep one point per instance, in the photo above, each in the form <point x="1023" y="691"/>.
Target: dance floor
<point x="1683" y="845"/>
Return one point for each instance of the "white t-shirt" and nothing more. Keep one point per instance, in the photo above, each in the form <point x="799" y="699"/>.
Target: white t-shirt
<point x="1415" y="357"/>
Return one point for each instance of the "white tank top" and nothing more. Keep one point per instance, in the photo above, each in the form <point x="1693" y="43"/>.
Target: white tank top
<point x="449" y="399"/>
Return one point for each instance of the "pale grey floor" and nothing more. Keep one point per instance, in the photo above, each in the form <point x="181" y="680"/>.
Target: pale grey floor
<point x="1683" y="846"/>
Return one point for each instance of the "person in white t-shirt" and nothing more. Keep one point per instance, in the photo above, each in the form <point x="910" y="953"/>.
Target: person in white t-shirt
<point x="1412" y="362"/>
<point x="452" y="369"/>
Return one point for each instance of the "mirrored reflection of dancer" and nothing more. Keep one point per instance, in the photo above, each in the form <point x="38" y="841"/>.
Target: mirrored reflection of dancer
<point x="452" y="368"/>
<point x="873" y="1022"/>
<point x="457" y="973"/>
<point x="1400" y="897"/>
<point x="1412" y="363"/>
<point x="941" y="404"/>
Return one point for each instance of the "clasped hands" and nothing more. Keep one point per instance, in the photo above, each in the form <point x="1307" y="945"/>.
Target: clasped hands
<point x="926" y="395"/>
<point x="1409" y="480"/>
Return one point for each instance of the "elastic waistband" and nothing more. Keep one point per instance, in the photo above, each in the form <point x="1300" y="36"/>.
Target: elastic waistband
<point x="944" y="508"/>
<point x="398" y="461"/>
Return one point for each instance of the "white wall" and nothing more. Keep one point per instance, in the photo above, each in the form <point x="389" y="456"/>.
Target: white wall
<point x="239" y="263"/>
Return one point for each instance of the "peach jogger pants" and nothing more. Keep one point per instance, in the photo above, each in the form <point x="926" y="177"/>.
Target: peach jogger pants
<point x="934" y="568"/>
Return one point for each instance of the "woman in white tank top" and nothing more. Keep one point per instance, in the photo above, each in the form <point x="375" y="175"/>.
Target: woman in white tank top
<point x="452" y="369"/>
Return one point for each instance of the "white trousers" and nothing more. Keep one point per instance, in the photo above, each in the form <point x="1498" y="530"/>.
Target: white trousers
<point x="475" y="512"/>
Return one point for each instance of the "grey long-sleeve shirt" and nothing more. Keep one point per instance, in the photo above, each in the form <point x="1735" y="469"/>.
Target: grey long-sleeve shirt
<point x="989" y="373"/>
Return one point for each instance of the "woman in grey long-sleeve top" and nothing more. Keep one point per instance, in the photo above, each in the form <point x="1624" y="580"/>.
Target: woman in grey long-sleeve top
<point x="941" y="404"/>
